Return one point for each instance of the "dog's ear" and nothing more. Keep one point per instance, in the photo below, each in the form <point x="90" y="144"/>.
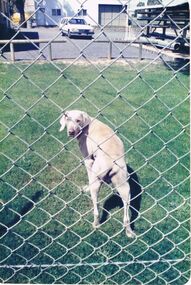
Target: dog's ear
<point x="63" y="121"/>
<point x="86" y="119"/>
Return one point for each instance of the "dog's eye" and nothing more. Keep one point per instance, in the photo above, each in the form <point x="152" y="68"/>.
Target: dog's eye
<point x="77" y="121"/>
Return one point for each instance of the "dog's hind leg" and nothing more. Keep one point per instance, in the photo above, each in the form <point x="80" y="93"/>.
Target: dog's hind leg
<point x="123" y="188"/>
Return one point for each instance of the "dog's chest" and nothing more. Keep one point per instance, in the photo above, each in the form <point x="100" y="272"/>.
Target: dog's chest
<point x="87" y="147"/>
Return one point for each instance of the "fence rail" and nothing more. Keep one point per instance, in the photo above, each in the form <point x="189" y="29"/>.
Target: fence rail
<point x="50" y="42"/>
<point x="139" y="43"/>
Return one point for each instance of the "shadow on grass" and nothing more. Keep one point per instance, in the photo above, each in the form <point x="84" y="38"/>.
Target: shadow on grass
<point x="116" y="201"/>
<point x="29" y="205"/>
<point x="179" y="64"/>
<point x="111" y="203"/>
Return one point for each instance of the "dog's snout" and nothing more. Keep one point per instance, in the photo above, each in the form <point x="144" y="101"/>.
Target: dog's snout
<point x="71" y="132"/>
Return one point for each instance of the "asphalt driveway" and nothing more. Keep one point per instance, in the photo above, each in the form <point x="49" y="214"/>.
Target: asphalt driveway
<point x="92" y="49"/>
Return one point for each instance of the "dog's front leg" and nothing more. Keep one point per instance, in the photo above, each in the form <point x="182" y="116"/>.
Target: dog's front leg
<point x="94" y="186"/>
<point x="88" y="164"/>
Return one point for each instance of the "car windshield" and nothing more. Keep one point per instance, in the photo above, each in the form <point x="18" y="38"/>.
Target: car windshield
<point x="77" y="21"/>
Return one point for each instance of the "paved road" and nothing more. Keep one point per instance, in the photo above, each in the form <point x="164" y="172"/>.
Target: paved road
<point x="77" y="48"/>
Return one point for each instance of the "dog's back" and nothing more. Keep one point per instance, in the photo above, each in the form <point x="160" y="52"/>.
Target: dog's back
<point x="102" y="137"/>
<point x="103" y="144"/>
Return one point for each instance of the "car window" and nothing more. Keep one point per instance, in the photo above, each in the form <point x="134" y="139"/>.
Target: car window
<point x="63" y="21"/>
<point x="77" y="21"/>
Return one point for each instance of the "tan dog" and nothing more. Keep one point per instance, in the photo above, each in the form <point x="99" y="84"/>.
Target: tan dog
<point x="103" y="154"/>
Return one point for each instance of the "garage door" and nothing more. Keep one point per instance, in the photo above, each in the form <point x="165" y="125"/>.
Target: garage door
<point x="111" y="14"/>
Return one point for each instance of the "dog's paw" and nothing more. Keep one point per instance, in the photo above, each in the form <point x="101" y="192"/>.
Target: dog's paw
<point x="85" y="188"/>
<point x="130" y="233"/>
<point x="95" y="225"/>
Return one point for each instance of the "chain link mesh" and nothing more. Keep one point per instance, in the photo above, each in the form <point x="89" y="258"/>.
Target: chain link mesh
<point x="46" y="220"/>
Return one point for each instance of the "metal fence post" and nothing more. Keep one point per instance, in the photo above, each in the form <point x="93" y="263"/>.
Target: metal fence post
<point x="50" y="51"/>
<point x="110" y="50"/>
<point x="12" y="51"/>
<point x="140" y="51"/>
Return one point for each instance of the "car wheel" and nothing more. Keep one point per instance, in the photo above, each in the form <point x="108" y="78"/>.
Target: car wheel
<point x="69" y="34"/>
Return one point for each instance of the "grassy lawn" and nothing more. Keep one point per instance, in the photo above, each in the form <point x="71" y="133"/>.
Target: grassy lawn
<point x="46" y="220"/>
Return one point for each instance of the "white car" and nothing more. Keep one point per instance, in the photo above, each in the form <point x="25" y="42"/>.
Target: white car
<point x="75" y="27"/>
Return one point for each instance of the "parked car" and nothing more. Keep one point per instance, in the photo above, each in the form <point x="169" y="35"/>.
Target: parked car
<point x="76" y="27"/>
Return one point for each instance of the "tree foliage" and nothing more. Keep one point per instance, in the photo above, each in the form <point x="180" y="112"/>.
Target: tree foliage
<point x="18" y="6"/>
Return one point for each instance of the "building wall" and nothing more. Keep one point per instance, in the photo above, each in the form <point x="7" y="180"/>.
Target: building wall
<point x="29" y="6"/>
<point x="50" y="12"/>
<point x="92" y="6"/>
<point x="72" y="7"/>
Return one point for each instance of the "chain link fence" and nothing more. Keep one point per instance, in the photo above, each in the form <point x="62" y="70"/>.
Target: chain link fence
<point x="133" y="79"/>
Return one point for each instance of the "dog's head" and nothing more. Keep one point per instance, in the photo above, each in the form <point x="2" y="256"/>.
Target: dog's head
<point x="75" y="121"/>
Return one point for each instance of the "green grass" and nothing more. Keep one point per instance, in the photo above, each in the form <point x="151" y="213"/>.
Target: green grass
<point x="46" y="220"/>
